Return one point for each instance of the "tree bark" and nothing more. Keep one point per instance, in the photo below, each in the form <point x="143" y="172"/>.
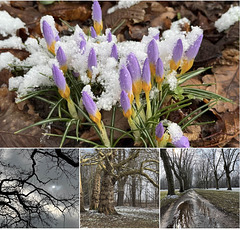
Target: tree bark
<point x="82" y="209"/>
<point x="96" y="189"/>
<point x="134" y="191"/>
<point x="168" y="170"/>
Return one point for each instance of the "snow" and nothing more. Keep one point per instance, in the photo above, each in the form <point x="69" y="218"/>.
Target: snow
<point x="175" y="131"/>
<point x="228" y="19"/>
<point x="12" y="42"/>
<point x="9" y="25"/>
<point x="7" y="59"/>
<point x="171" y="80"/>
<point x="123" y="4"/>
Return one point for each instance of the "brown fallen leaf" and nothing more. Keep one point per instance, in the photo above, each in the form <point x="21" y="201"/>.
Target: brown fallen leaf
<point x="12" y="119"/>
<point x="20" y="54"/>
<point x="68" y="11"/>
<point x="5" y="75"/>
<point x="226" y="79"/>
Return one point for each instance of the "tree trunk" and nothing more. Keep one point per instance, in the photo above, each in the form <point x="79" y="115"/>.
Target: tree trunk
<point x="120" y="199"/>
<point x="106" y="204"/>
<point x="168" y="170"/>
<point x="228" y="180"/>
<point x="134" y="191"/>
<point x="82" y="209"/>
<point x="96" y="189"/>
<point x="216" y="180"/>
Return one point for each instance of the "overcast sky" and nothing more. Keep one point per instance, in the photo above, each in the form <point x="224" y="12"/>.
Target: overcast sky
<point x="61" y="185"/>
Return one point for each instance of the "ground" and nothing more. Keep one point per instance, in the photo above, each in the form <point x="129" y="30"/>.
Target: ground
<point x="128" y="217"/>
<point x="192" y="210"/>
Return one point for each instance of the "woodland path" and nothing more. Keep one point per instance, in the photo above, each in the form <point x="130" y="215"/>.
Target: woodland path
<point x="194" y="211"/>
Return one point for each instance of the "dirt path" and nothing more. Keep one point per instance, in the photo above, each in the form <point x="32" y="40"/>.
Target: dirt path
<point x="193" y="211"/>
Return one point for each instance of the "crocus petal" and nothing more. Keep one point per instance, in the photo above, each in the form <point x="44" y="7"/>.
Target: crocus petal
<point x="114" y="52"/>
<point x="125" y="79"/>
<point x="58" y="78"/>
<point x="93" y="32"/>
<point x="109" y="36"/>
<point x="48" y="33"/>
<point x="159" y="131"/>
<point x="146" y="76"/>
<point x="159" y="68"/>
<point x="92" y="59"/>
<point x="89" y="104"/>
<point x="183" y="142"/>
<point x="133" y="67"/>
<point x="156" y="37"/>
<point x="177" y="51"/>
<point x="126" y="105"/>
<point x="152" y="51"/>
<point x="192" y="51"/>
<point x="61" y="57"/>
<point x="96" y="12"/>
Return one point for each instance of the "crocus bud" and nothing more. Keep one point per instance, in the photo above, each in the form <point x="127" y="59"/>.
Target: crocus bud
<point x="177" y="55"/>
<point x="135" y="71"/>
<point x="82" y="44"/>
<point x="60" y="82"/>
<point x="183" y="142"/>
<point x="190" y="54"/>
<point x="146" y="76"/>
<point x="114" y="52"/>
<point x="97" y="17"/>
<point x="156" y="37"/>
<point x="159" y="71"/>
<point x="92" y="61"/>
<point x="126" y="82"/>
<point x="109" y="36"/>
<point x="153" y="55"/>
<point x="49" y="36"/>
<point x="159" y="132"/>
<point x="91" y="108"/>
<point x="93" y="32"/>
<point x="126" y="105"/>
<point x="62" y="60"/>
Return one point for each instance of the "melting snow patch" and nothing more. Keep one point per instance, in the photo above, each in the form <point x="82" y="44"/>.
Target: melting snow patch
<point x="123" y="4"/>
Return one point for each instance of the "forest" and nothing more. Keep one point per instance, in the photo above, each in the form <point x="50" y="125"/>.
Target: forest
<point x="124" y="182"/>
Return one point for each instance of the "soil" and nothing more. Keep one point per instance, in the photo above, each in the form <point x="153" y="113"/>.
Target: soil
<point x="127" y="217"/>
<point x="193" y="211"/>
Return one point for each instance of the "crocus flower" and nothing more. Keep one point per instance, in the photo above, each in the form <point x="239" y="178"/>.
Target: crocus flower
<point x="97" y="17"/>
<point x="92" y="61"/>
<point x="126" y="82"/>
<point x="60" y="82"/>
<point x="156" y="37"/>
<point x="177" y="55"/>
<point x="135" y="71"/>
<point x="159" y="71"/>
<point x="126" y="105"/>
<point x="183" y="142"/>
<point x="190" y="54"/>
<point x="82" y="44"/>
<point x="109" y="36"/>
<point x="159" y="132"/>
<point x="62" y="60"/>
<point x="49" y="36"/>
<point x="146" y="76"/>
<point x="153" y="54"/>
<point x="91" y="108"/>
<point x="93" y="32"/>
<point x="114" y="52"/>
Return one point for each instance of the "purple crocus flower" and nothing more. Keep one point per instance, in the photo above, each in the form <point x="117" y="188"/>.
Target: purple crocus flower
<point x="93" y="32"/>
<point x="126" y="82"/>
<point x="109" y="36"/>
<point x="96" y="12"/>
<point x="159" y="131"/>
<point x="133" y="67"/>
<point x="61" y="57"/>
<point x="114" y="52"/>
<point x="159" y="71"/>
<point x="82" y="44"/>
<point x="177" y="51"/>
<point x="146" y="76"/>
<point x="97" y="17"/>
<point x="49" y="36"/>
<point x="92" y="59"/>
<point x="156" y="37"/>
<point x="91" y="107"/>
<point x="126" y="105"/>
<point x="58" y="78"/>
<point x="183" y="142"/>
<point x="152" y="51"/>
<point x="192" y="51"/>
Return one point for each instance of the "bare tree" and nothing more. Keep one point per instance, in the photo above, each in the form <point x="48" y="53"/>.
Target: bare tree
<point x="230" y="157"/>
<point x="25" y="197"/>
